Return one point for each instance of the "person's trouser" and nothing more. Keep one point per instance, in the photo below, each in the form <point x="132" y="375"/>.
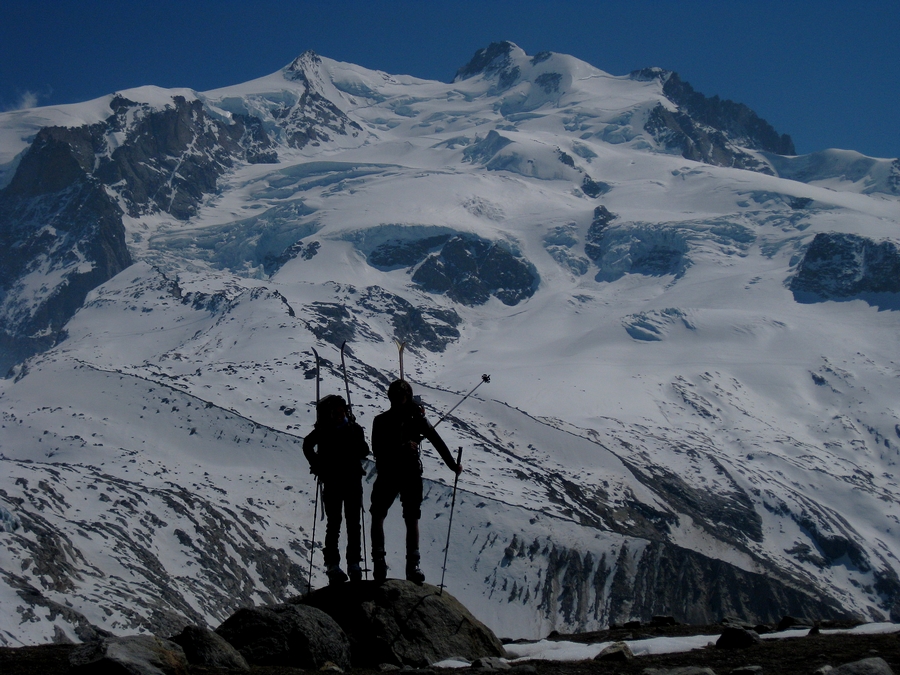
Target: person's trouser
<point x="338" y="496"/>
<point x="388" y="485"/>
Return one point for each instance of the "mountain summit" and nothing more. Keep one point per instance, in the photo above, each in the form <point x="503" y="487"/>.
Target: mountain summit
<point x="690" y="331"/>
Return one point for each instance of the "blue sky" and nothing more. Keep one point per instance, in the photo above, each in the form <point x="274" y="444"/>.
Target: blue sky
<point x="827" y="72"/>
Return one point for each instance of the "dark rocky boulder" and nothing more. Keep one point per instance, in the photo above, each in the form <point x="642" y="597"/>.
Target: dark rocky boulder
<point x="733" y="637"/>
<point x="840" y="266"/>
<point x="133" y="654"/>
<point x="617" y="651"/>
<point x="789" y="622"/>
<point x="871" y="666"/>
<point x="203" y="647"/>
<point x="840" y="653"/>
<point x="299" y="636"/>
<point x="401" y="623"/>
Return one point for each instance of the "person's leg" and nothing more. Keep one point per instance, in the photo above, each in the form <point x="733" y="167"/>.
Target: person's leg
<point x="352" y="508"/>
<point x="332" y="501"/>
<point x="411" y="498"/>
<point x="412" y="536"/>
<point x="383" y="495"/>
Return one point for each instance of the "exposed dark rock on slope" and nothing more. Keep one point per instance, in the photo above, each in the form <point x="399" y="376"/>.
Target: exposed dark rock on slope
<point x="174" y="156"/>
<point x="225" y="542"/>
<point x="492" y="60"/>
<point x="470" y="270"/>
<point x="838" y="266"/>
<point x="646" y="579"/>
<point x="59" y="213"/>
<point x="312" y="119"/>
<point x="54" y="216"/>
<point x="710" y="129"/>
<point x="735" y="119"/>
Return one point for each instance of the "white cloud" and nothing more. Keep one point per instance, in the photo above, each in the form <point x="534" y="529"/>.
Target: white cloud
<point x="27" y="99"/>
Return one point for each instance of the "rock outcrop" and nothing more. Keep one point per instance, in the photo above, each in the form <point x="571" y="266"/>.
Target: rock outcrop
<point x="299" y="636"/>
<point x="203" y="647"/>
<point x="710" y="129"/>
<point x="492" y="61"/>
<point x="841" y="266"/>
<point x="133" y="654"/>
<point x="470" y="270"/>
<point x="401" y="623"/>
<point x="61" y="214"/>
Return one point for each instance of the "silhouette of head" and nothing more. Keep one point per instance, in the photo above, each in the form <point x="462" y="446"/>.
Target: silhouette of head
<point x="399" y="392"/>
<point x="332" y="408"/>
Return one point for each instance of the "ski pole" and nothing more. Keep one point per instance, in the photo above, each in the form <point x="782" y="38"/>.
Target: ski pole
<point x="450" y="524"/>
<point x="484" y="378"/>
<point x="312" y="544"/>
<point x="362" y="511"/>
<point x="362" y="508"/>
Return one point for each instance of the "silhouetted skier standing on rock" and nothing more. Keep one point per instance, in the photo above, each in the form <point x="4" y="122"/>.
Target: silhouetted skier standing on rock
<point x="396" y="434"/>
<point x="335" y="449"/>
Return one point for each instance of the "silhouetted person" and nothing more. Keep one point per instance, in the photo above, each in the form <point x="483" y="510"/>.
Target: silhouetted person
<point x="335" y="449"/>
<point x="396" y="435"/>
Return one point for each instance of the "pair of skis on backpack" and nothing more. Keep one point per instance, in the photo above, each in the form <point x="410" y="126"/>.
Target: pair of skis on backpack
<point x="400" y="347"/>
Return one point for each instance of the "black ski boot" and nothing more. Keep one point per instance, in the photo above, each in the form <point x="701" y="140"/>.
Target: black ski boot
<point x="355" y="572"/>
<point x="335" y="575"/>
<point x="379" y="567"/>
<point x="413" y="573"/>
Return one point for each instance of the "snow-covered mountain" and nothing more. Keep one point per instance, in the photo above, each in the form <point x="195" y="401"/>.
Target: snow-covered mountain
<point x="690" y="331"/>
